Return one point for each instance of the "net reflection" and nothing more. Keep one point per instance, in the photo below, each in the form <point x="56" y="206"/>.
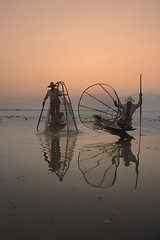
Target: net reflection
<point x="99" y="162"/>
<point x="58" y="152"/>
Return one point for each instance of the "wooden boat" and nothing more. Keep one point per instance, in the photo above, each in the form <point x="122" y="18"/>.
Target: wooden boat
<point x="112" y="128"/>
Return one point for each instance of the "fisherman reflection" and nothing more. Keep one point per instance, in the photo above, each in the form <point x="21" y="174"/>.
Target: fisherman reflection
<point x="55" y="163"/>
<point x="99" y="164"/>
<point x="126" y="153"/>
<point x="58" y="152"/>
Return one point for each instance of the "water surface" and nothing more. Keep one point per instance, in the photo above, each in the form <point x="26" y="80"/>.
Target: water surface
<point x="83" y="186"/>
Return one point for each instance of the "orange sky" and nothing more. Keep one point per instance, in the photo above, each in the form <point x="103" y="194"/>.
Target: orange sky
<point x="80" y="43"/>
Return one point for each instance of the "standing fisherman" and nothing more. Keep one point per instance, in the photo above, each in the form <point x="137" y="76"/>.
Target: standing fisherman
<point x="125" y="122"/>
<point x="54" y="95"/>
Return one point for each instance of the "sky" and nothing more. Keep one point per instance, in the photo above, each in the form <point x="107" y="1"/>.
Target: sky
<point x="80" y="42"/>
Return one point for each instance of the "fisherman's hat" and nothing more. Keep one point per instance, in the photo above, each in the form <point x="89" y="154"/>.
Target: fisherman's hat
<point x="129" y="99"/>
<point x="51" y="84"/>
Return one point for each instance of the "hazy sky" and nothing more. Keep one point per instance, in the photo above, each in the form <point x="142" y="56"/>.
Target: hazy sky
<point x="80" y="42"/>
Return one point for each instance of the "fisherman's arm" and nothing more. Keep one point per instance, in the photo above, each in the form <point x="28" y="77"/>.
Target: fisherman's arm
<point x="140" y="101"/>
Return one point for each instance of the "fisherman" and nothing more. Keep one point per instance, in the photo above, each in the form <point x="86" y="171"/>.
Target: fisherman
<point x="54" y="95"/>
<point x="125" y="122"/>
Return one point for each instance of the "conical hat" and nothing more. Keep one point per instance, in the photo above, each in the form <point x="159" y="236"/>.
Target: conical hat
<point x="51" y="84"/>
<point x="129" y="99"/>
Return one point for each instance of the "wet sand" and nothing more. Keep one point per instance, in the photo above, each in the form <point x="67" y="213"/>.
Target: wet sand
<point x="92" y="185"/>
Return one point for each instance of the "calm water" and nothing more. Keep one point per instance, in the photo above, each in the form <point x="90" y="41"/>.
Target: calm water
<point x="91" y="185"/>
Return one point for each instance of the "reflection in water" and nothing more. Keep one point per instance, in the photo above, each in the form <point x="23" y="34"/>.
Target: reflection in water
<point x="58" y="152"/>
<point x="99" y="162"/>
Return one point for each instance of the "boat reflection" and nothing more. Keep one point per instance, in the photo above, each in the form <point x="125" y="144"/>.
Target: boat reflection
<point x="58" y="152"/>
<point x="99" y="162"/>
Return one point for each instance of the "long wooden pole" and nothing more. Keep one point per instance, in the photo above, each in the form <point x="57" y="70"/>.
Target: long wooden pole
<point x="140" y="89"/>
<point x="137" y="165"/>
<point x="141" y="104"/>
<point x="40" y="117"/>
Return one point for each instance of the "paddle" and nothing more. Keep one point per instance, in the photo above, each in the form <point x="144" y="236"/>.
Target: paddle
<point x="40" y="117"/>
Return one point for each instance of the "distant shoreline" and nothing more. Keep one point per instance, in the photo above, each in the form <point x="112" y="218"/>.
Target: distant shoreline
<point x="28" y="109"/>
<point x="24" y="109"/>
<point x="19" y="109"/>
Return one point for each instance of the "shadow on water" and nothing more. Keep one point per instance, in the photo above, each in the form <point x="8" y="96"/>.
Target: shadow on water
<point x="99" y="162"/>
<point x="58" y="152"/>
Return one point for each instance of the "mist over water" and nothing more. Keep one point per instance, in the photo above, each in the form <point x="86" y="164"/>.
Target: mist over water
<point x="150" y="102"/>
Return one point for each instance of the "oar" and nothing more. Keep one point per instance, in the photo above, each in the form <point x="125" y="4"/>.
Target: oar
<point x="40" y="117"/>
<point x="137" y="165"/>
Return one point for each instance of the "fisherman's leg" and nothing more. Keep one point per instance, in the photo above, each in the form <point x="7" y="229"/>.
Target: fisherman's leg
<point x="129" y="124"/>
<point x="57" y="109"/>
<point x="53" y="108"/>
<point x="121" y="123"/>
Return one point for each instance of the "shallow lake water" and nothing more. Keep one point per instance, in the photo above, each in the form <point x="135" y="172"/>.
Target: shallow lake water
<point x="90" y="185"/>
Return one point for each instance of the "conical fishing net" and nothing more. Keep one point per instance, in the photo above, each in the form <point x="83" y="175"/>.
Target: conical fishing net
<point x="65" y="119"/>
<point x="98" y="164"/>
<point x="58" y="151"/>
<point x="97" y="101"/>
